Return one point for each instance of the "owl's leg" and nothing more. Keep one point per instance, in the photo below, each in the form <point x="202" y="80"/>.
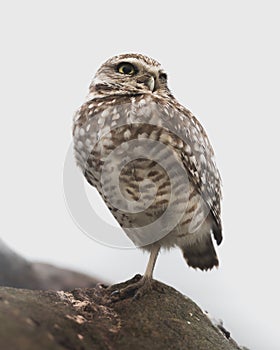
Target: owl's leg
<point x="151" y="264"/>
<point x="140" y="287"/>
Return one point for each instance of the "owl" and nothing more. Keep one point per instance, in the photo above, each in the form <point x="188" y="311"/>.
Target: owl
<point x="151" y="161"/>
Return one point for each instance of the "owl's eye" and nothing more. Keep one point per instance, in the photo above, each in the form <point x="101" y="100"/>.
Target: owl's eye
<point x="163" y="76"/>
<point x="126" y="68"/>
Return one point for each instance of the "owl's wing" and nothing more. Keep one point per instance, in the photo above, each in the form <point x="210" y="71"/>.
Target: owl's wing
<point x="197" y="155"/>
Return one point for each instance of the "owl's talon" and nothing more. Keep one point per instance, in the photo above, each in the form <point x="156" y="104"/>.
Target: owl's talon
<point x="137" y="277"/>
<point x="134" y="290"/>
<point x="115" y="292"/>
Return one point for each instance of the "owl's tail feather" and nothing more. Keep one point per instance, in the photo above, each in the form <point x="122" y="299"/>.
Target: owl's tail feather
<point x="201" y="254"/>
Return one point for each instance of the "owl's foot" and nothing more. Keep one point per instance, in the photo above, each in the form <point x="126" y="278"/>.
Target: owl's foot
<point x="137" y="287"/>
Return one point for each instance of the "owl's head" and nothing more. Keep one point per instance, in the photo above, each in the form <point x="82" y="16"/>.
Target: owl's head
<point x="130" y="74"/>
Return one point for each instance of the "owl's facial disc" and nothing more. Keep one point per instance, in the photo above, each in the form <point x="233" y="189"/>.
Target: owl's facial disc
<point x="130" y="74"/>
<point x="148" y="79"/>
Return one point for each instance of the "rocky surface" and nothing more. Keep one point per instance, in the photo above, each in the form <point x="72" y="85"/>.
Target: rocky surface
<point x="89" y="319"/>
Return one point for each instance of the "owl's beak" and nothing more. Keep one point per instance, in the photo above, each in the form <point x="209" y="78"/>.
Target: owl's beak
<point x="148" y="80"/>
<point x="151" y="83"/>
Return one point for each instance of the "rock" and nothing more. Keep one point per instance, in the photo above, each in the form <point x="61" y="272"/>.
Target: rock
<point x="15" y="271"/>
<point x="88" y="319"/>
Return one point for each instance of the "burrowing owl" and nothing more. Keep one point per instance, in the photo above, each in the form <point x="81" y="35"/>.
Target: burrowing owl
<point x="151" y="161"/>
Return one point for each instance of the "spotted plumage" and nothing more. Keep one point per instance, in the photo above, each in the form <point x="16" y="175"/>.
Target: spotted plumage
<point x="142" y="150"/>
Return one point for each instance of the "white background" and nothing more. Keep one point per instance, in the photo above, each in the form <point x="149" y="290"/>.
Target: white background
<point x="223" y="64"/>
